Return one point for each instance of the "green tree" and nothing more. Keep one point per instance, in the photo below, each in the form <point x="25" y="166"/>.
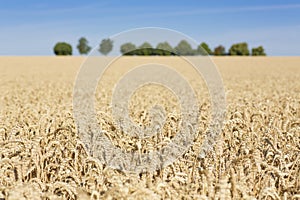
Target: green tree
<point x="145" y="49"/>
<point x="105" y="46"/>
<point x="219" y="51"/>
<point x="62" y="48"/>
<point x="203" y="49"/>
<point x="258" y="51"/>
<point x="239" y="49"/>
<point x="184" y="48"/>
<point x="164" y="49"/>
<point x="83" y="47"/>
<point x="128" y="49"/>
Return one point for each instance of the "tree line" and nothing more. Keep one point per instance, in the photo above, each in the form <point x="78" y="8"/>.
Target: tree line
<point x="183" y="48"/>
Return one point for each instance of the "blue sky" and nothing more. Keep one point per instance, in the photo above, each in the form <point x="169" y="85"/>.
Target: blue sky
<point x="32" y="27"/>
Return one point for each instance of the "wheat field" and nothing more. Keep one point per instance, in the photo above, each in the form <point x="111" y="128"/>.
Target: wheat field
<point x="256" y="156"/>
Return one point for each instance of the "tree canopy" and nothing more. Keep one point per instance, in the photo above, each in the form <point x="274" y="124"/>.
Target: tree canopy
<point x="258" y="51"/>
<point x="164" y="49"/>
<point x="105" y="46"/>
<point x="184" y="48"/>
<point x="127" y="48"/>
<point x="62" y="48"/>
<point x="239" y="49"/>
<point x="145" y="49"/>
<point x="204" y="47"/>
<point x="219" y="51"/>
<point x="83" y="47"/>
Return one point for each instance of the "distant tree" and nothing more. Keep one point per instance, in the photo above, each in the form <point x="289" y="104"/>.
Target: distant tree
<point x="83" y="47"/>
<point x="205" y="47"/>
<point x="184" y="48"/>
<point x="239" y="49"/>
<point x="259" y="51"/>
<point x="127" y="49"/>
<point x="163" y="49"/>
<point x="62" y="48"/>
<point x="219" y="51"/>
<point x="145" y="49"/>
<point x="105" y="46"/>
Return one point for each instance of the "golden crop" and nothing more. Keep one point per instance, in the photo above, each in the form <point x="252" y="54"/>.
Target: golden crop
<point x="257" y="155"/>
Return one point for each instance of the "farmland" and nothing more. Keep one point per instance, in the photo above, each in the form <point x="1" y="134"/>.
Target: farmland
<point x="257" y="155"/>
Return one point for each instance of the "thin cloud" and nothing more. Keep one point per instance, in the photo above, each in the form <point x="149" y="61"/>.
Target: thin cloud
<point x="230" y="10"/>
<point x="263" y="8"/>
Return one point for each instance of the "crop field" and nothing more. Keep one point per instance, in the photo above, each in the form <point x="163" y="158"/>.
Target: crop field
<point x="256" y="156"/>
